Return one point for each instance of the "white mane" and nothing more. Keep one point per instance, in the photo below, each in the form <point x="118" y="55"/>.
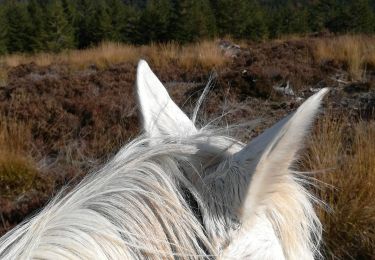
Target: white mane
<point x="142" y="203"/>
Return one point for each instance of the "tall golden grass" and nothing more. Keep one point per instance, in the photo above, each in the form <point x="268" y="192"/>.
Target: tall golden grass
<point x="346" y="151"/>
<point x="204" y="54"/>
<point x="18" y="172"/>
<point x="356" y="51"/>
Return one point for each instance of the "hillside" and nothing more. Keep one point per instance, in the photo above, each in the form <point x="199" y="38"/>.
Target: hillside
<point x="54" y="25"/>
<point x="64" y="115"/>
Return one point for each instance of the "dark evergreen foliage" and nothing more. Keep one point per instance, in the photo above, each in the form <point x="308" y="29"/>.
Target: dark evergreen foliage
<point x="195" y="20"/>
<point x="3" y="32"/>
<point x="37" y="26"/>
<point x="155" y="21"/>
<point x="54" y="25"/>
<point x="59" y="32"/>
<point x="19" y="31"/>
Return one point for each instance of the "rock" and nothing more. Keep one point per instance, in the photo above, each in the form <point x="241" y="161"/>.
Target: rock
<point x="230" y="49"/>
<point x="284" y="89"/>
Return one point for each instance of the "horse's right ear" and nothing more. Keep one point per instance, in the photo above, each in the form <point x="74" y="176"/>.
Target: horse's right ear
<point x="161" y="116"/>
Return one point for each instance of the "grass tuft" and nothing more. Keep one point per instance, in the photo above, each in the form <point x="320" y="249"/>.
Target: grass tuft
<point x="18" y="172"/>
<point x="346" y="150"/>
<point x="357" y="52"/>
<point x="17" y="175"/>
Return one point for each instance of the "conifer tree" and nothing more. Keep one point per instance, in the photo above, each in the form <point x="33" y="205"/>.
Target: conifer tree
<point x="69" y="10"/>
<point x="256" y="27"/>
<point x="70" y="14"/>
<point x="205" y="21"/>
<point x="37" y="25"/>
<point x="38" y="22"/>
<point x="327" y="14"/>
<point x="100" y="23"/>
<point x="82" y="25"/>
<point x="360" y="17"/>
<point x="155" y="21"/>
<point x="130" y="31"/>
<point x="59" y="31"/>
<point x="232" y="17"/>
<point x="293" y="19"/>
<point x="117" y="14"/>
<point x="93" y="23"/>
<point x="18" y="31"/>
<point x="275" y="23"/>
<point x="195" y="20"/>
<point x="3" y="32"/>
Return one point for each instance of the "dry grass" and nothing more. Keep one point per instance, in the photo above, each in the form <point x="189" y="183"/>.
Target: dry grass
<point x="3" y="76"/>
<point x="201" y="55"/>
<point x="356" y="51"/>
<point x="347" y="151"/>
<point x="18" y="172"/>
<point x="15" y="137"/>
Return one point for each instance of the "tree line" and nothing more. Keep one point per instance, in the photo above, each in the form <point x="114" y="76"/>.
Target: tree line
<point x="54" y="25"/>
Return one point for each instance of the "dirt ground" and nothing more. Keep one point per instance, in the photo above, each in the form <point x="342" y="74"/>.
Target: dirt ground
<point x="80" y="118"/>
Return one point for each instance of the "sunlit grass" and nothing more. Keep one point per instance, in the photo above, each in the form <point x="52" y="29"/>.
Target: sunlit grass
<point x="357" y="52"/>
<point x="204" y="54"/>
<point x="346" y="151"/>
<point x="18" y="172"/>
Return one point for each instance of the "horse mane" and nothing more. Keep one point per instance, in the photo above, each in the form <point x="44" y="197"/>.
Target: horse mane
<point x="135" y="206"/>
<point x="138" y="205"/>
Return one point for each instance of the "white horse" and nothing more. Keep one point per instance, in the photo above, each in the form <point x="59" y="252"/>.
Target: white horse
<point x="182" y="192"/>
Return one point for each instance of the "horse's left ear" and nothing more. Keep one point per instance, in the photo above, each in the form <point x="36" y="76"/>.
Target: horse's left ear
<point x="161" y="116"/>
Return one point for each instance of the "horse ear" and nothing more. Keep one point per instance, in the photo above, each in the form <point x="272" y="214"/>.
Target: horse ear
<point x="273" y="152"/>
<point x="271" y="197"/>
<point x="161" y="116"/>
